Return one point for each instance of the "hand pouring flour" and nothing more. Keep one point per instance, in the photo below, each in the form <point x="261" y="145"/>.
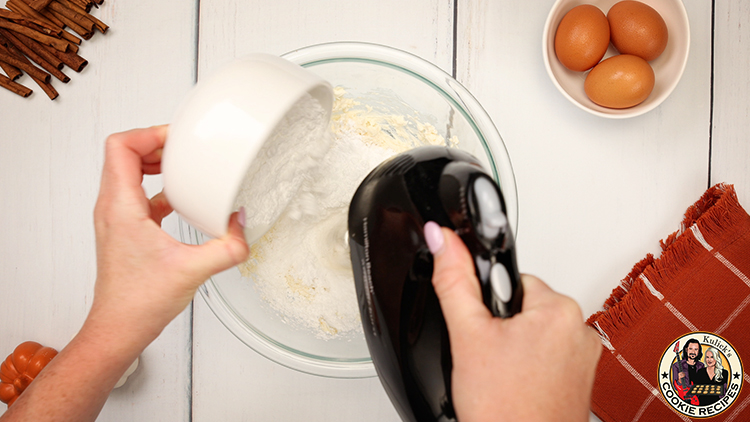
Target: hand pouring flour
<point x="230" y="119"/>
<point x="277" y="154"/>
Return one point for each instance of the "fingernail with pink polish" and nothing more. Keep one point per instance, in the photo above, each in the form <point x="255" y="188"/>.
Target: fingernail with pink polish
<point x="433" y="235"/>
<point x="241" y="217"/>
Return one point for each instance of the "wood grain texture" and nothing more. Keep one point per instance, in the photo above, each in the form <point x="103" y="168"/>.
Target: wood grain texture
<point x="51" y="156"/>
<point x="595" y="194"/>
<point x="231" y="29"/>
<point x="730" y="153"/>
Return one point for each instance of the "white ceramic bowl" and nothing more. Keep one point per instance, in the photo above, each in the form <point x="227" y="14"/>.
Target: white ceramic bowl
<point x="220" y="127"/>
<point x="668" y="67"/>
<point x="394" y="82"/>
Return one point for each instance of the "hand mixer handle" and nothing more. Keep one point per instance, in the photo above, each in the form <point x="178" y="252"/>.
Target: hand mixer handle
<point x="475" y="205"/>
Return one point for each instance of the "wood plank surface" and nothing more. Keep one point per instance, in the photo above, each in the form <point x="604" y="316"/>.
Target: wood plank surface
<point x="51" y="156"/>
<point x="730" y="151"/>
<point x="231" y="29"/>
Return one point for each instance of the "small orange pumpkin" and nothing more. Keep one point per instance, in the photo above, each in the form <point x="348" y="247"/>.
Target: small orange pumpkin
<point x="21" y="367"/>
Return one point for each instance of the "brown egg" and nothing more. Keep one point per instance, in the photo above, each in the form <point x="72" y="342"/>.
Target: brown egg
<point x="620" y="81"/>
<point x="637" y="29"/>
<point x="582" y="37"/>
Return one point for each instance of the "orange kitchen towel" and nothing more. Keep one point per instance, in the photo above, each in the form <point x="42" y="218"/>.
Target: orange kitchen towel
<point x="676" y="331"/>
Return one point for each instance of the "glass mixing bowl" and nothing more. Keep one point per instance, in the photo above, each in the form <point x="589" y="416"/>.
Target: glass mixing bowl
<point x="390" y="81"/>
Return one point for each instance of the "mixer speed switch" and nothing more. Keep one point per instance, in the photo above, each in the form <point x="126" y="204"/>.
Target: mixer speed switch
<point x="500" y="282"/>
<point x="491" y="219"/>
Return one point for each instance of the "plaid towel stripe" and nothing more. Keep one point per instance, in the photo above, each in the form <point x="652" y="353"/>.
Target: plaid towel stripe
<point x="699" y="283"/>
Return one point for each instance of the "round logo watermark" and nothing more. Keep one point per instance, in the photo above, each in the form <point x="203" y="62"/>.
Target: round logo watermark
<point x="700" y="375"/>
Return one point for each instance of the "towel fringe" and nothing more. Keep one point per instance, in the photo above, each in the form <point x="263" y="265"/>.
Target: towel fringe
<point x="627" y="283"/>
<point x="714" y="212"/>
<point x="626" y="313"/>
<point x="672" y="261"/>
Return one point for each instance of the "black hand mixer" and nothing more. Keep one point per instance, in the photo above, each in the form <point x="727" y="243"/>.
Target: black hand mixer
<point x="401" y="316"/>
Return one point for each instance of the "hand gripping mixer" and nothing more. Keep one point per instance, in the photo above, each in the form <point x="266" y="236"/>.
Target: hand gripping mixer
<point x="401" y="316"/>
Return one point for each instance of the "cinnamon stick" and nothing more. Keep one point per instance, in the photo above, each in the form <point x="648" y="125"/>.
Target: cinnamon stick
<point x="73" y="6"/>
<point x="70" y="23"/>
<point x="24" y="9"/>
<point x="12" y="71"/>
<point x="42" y="51"/>
<point x="30" y="23"/>
<point x="85" y="5"/>
<point x="39" y="4"/>
<point x="57" y="43"/>
<point x="47" y="14"/>
<point x="34" y="30"/>
<point x="14" y="87"/>
<point x="71" y="59"/>
<point x="43" y="82"/>
<point x="99" y="25"/>
<point x="24" y="65"/>
<point x="31" y="52"/>
<point x="47" y="88"/>
<point x="72" y="47"/>
<point x="74" y="16"/>
<point x="73" y="40"/>
<point x="7" y="47"/>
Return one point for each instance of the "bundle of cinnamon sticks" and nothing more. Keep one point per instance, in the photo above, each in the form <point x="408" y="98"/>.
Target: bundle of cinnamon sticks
<point x="34" y="39"/>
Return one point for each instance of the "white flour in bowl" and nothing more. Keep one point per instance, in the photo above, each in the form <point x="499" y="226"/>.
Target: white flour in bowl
<point x="301" y="267"/>
<point x="283" y="164"/>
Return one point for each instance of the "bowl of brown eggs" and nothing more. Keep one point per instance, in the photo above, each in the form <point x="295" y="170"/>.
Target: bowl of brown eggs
<point x="616" y="58"/>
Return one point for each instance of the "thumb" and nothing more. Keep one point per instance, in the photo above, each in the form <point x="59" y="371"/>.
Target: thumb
<point x="222" y="253"/>
<point x="454" y="280"/>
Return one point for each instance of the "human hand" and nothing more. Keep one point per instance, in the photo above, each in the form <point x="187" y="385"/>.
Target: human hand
<point x="538" y="365"/>
<point x="145" y="277"/>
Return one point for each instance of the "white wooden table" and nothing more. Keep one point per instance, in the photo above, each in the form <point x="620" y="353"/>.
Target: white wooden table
<point x="595" y="195"/>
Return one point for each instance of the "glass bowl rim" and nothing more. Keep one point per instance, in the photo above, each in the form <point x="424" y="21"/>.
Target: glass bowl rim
<point x="437" y="78"/>
<point x="423" y="70"/>
<point x="268" y="347"/>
